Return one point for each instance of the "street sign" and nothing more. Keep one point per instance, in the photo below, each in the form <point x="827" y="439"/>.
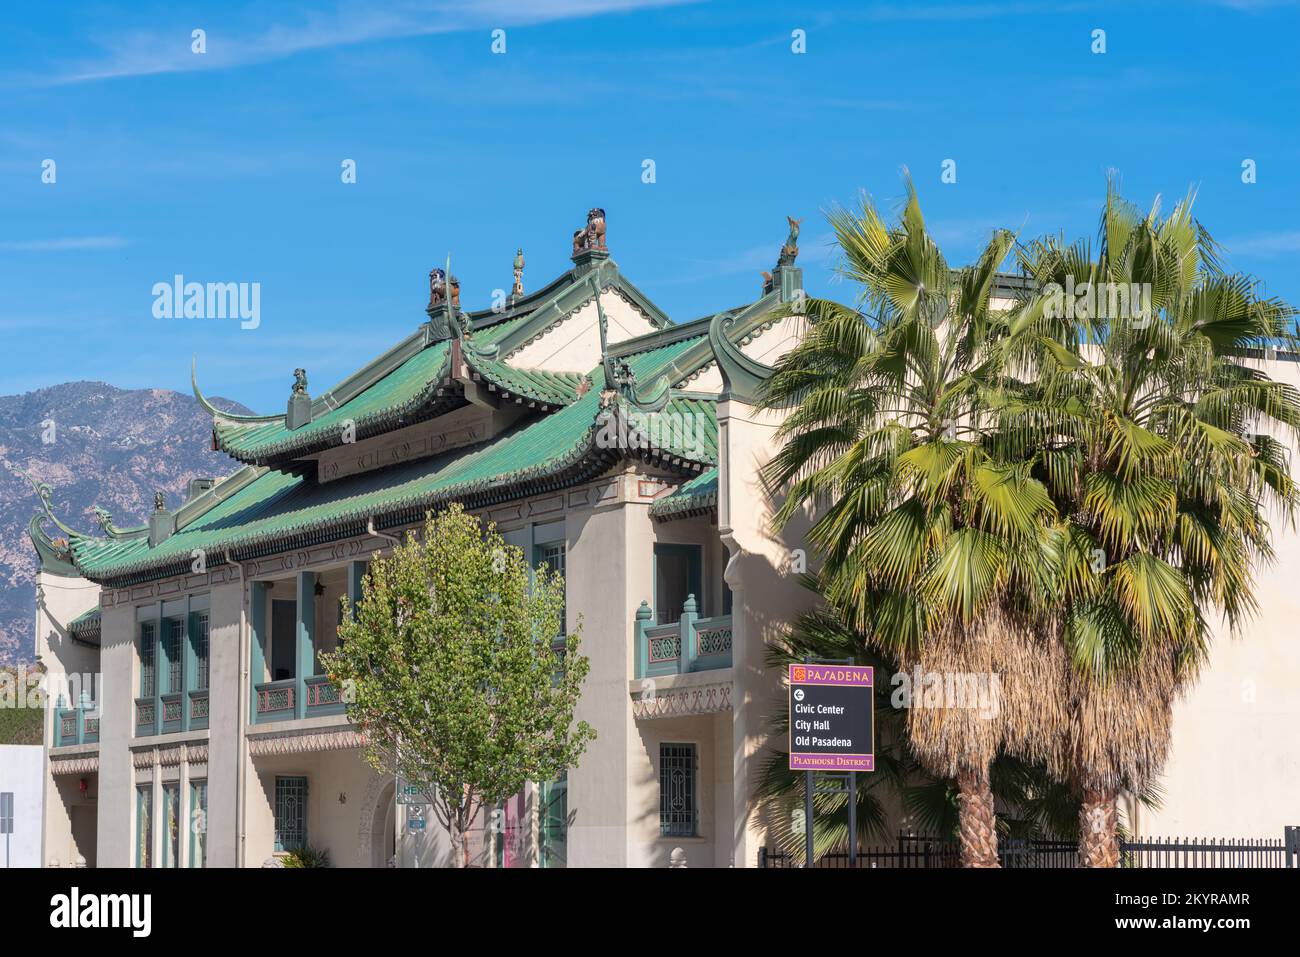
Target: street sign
<point x="415" y="817"/>
<point x="408" y="793"/>
<point x="832" y="718"/>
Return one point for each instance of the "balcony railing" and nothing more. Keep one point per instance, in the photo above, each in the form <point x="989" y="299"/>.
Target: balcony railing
<point x="275" y="700"/>
<point x="199" y="708"/>
<point x="322" y="697"/>
<point x="172" y="712"/>
<point x="78" y="725"/>
<point x="146" y="716"/>
<point x="691" y="644"/>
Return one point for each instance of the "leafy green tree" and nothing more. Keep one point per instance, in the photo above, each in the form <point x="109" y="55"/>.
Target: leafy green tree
<point x="1164" y="448"/>
<point x="454" y="669"/>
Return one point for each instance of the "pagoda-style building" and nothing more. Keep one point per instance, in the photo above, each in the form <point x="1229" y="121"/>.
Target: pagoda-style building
<point x="600" y="436"/>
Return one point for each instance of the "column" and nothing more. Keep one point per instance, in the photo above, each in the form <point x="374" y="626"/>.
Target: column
<point x="305" y="640"/>
<point x="188" y="665"/>
<point x="356" y="572"/>
<point x="257" y="640"/>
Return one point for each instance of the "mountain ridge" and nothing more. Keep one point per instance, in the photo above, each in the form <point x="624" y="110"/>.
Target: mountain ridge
<point x="94" y="444"/>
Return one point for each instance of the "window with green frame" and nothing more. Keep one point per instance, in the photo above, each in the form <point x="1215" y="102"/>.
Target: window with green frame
<point x="198" y="824"/>
<point x="678" y="801"/>
<point x="552" y="555"/>
<point x="553" y="822"/>
<point x="199" y="639"/>
<point x="148" y="657"/>
<point x="677" y="575"/>
<point x="173" y="632"/>
<point x="171" y="822"/>
<point x="290" y="813"/>
<point x="144" y="825"/>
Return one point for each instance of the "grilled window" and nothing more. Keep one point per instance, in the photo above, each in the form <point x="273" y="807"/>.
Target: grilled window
<point x="677" y="799"/>
<point x="198" y="824"/>
<point x="175" y="660"/>
<point x="552" y="556"/>
<point x="171" y="825"/>
<point x="144" y="826"/>
<point x="201" y="666"/>
<point x="148" y="652"/>
<point x="290" y="813"/>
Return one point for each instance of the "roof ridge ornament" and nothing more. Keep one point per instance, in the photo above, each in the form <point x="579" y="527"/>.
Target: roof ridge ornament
<point x="742" y="377"/>
<point x="55" y="554"/>
<point x="517" y="290"/>
<point x="104" y="518"/>
<point x="299" y="410"/>
<point x="444" y="302"/>
<point x="785" y="275"/>
<point x="589" y="247"/>
<point x="162" y="523"/>
<point x="216" y="413"/>
<point x="44" y="492"/>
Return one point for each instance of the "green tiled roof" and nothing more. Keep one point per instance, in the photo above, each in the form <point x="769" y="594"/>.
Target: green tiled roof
<point x="261" y="510"/>
<point x="85" y="627"/>
<point x="692" y="497"/>
<point x="278" y="511"/>
<point x="384" y="405"/>
<point x="553" y="388"/>
<point x="404" y="385"/>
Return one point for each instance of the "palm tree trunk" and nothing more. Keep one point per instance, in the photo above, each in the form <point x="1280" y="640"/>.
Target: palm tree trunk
<point x="977" y="822"/>
<point x="1098" y="844"/>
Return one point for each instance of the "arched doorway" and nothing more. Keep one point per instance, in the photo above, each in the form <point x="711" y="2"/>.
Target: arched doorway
<point x="383" y="827"/>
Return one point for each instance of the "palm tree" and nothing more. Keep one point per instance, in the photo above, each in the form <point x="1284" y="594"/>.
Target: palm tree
<point x="933" y="546"/>
<point x="1155" y="436"/>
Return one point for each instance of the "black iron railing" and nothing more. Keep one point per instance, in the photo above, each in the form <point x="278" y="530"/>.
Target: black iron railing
<point x="917" y="851"/>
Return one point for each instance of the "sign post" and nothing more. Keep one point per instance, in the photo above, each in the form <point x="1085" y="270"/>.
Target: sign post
<point x="832" y="728"/>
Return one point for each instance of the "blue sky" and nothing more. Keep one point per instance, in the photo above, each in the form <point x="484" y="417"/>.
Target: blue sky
<point x="225" y="166"/>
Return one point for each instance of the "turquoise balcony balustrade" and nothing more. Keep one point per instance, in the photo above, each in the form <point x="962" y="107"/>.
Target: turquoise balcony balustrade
<point x="322" y="697"/>
<point x="172" y="711"/>
<point x="199" y="708"/>
<point x="146" y="716"/>
<point x="275" y="700"/>
<point x="691" y="644"/>
<point x="79" y="725"/>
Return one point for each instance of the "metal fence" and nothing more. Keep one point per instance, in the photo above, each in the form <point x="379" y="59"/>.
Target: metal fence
<point x="917" y="851"/>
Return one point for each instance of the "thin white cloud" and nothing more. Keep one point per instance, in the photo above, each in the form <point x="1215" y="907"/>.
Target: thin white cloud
<point x="1264" y="244"/>
<point x="962" y="11"/>
<point x="145" y="53"/>
<point x="65" y="244"/>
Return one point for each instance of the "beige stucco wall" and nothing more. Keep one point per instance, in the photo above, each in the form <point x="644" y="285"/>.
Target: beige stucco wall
<point x="767" y="596"/>
<point x="60" y="599"/>
<point x="603" y="560"/>
<point x="574" y="344"/>
<point x="343" y="797"/>
<point x="227" y="714"/>
<point x="1234" y="767"/>
<point x="116" y="820"/>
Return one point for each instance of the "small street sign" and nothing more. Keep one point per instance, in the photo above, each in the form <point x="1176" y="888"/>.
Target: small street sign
<point x="832" y="718"/>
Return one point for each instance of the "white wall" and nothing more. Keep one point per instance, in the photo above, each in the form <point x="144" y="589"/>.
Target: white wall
<point x="1234" y="766"/>
<point x="22" y="771"/>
